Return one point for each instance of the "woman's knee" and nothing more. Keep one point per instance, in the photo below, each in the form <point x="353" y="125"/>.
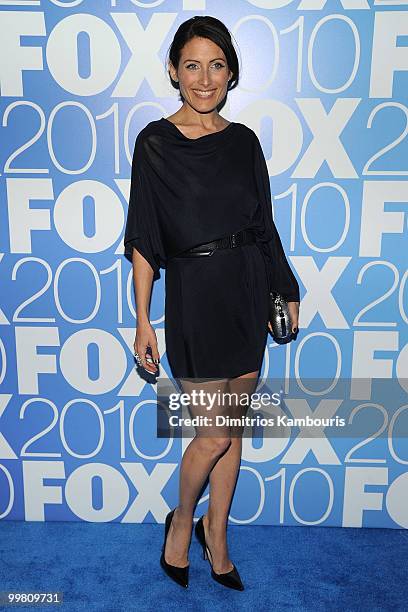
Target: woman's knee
<point x="215" y="445"/>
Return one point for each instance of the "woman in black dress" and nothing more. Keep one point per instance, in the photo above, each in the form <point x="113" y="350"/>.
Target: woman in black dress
<point x="200" y="207"/>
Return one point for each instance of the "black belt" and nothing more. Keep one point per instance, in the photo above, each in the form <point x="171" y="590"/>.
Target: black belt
<point x="228" y="242"/>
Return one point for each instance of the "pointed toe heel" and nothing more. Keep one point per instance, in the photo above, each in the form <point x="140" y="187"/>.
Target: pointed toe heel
<point x="229" y="579"/>
<point x="178" y="574"/>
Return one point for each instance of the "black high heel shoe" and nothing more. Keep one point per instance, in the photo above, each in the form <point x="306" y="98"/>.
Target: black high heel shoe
<point x="230" y="579"/>
<point x="178" y="574"/>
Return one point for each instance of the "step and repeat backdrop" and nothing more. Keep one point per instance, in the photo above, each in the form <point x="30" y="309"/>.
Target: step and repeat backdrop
<point x="323" y="84"/>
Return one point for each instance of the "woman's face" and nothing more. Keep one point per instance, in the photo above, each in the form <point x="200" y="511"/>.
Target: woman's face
<point x="202" y="73"/>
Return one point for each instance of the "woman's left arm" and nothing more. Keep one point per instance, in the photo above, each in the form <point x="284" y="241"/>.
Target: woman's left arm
<point x="281" y="276"/>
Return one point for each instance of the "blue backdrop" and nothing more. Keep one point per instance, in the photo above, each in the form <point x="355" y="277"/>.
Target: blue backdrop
<point x="324" y="86"/>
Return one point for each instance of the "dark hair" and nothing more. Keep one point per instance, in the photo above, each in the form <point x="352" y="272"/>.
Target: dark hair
<point x="209" y="27"/>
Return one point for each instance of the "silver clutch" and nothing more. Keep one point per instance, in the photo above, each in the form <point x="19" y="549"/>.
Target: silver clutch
<point x="280" y="318"/>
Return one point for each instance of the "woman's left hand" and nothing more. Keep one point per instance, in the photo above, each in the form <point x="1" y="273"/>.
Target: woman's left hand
<point x="293" y="308"/>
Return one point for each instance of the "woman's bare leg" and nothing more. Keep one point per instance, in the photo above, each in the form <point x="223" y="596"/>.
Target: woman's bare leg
<point x="198" y="459"/>
<point x="223" y="478"/>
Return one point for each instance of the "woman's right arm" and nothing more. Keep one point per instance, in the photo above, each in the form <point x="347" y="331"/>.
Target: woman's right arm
<point x="145" y="334"/>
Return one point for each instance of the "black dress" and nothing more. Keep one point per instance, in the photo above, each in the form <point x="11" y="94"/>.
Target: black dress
<point x="185" y="192"/>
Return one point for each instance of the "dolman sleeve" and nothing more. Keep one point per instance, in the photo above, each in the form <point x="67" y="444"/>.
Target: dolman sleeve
<point x="281" y="277"/>
<point x="142" y="229"/>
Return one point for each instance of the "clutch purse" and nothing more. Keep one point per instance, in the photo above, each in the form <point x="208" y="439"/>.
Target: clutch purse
<point x="280" y="318"/>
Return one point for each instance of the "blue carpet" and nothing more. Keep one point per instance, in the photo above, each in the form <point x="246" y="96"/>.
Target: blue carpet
<point x="115" y="567"/>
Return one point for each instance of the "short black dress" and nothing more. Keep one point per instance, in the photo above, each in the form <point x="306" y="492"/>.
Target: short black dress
<point x="185" y="192"/>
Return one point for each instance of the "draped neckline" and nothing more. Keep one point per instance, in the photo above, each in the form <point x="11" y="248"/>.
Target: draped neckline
<point x="205" y="136"/>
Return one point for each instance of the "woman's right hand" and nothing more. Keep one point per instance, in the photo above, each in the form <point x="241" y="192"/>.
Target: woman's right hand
<point x="146" y="337"/>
